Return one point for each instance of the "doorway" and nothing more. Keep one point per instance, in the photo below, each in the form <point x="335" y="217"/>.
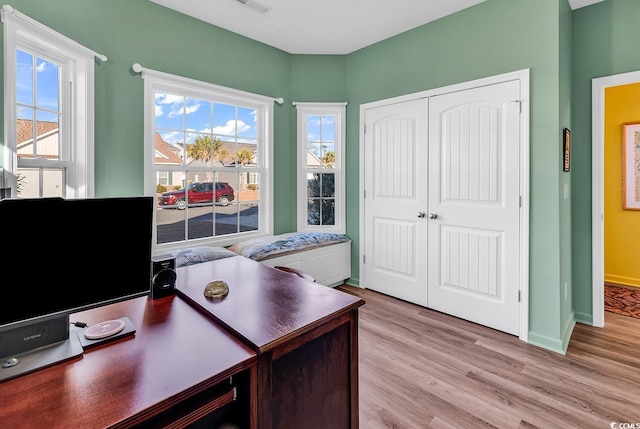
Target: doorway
<point x="598" y="87"/>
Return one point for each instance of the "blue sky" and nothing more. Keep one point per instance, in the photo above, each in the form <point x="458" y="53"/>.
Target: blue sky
<point x="176" y="115"/>
<point x="180" y="118"/>
<point x="44" y="86"/>
<point x="321" y="134"/>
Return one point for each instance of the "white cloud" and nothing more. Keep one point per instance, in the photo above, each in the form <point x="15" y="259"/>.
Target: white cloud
<point x="172" y="137"/>
<point x="176" y="105"/>
<point x="230" y="128"/>
<point x="242" y="127"/>
<point x="180" y="110"/>
<point x="169" y="98"/>
<point x="192" y="109"/>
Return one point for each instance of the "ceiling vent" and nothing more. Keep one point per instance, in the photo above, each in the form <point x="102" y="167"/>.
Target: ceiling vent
<point x="255" y="5"/>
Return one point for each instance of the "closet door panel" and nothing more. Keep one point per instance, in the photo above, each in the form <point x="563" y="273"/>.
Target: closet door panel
<point x="395" y="194"/>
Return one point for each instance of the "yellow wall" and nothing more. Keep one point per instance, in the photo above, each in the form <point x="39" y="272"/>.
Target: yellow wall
<point x="621" y="227"/>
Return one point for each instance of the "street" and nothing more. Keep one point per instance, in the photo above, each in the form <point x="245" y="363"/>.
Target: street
<point x="172" y="223"/>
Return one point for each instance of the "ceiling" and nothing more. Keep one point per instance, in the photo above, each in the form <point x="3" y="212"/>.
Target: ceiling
<point x="322" y="27"/>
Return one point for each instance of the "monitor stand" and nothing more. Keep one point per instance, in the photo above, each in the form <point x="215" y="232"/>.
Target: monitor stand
<point x="41" y="358"/>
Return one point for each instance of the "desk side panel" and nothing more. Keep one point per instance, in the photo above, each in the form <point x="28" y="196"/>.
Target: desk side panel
<point x="311" y="385"/>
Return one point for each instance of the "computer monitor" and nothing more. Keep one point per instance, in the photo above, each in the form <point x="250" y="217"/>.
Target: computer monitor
<point x="62" y="256"/>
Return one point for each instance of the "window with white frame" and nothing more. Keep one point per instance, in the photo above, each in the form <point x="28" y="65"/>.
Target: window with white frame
<point x="321" y="189"/>
<point x="207" y="161"/>
<point x="48" y="87"/>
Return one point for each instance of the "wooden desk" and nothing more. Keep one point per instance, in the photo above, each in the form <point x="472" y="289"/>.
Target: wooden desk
<point x="176" y="357"/>
<point x="305" y="334"/>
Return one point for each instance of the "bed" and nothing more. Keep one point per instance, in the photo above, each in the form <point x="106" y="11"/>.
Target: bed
<point x="325" y="256"/>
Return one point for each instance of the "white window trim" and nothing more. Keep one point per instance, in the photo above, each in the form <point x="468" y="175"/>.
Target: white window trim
<point x="160" y="81"/>
<point x="339" y="110"/>
<point x="22" y="31"/>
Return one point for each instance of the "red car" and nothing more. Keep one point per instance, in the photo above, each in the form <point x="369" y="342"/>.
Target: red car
<point x="197" y="192"/>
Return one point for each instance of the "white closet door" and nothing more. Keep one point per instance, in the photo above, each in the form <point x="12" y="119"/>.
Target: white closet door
<point x="394" y="241"/>
<point x="473" y="198"/>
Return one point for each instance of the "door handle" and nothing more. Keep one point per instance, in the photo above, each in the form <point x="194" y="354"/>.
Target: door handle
<point x="421" y="214"/>
<point x="433" y="215"/>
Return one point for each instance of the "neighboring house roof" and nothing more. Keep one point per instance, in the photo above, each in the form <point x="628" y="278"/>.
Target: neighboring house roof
<point x="313" y="160"/>
<point x="166" y="153"/>
<point x="24" y="129"/>
<point x="45" y="131"/>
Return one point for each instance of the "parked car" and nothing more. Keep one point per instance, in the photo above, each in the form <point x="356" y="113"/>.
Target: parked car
<point x="197" y="192"/>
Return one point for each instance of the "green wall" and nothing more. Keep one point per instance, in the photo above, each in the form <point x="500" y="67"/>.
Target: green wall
<point x="564" y="50"/>
<point x="605" y="43"/>
<point x="567" y="319"/>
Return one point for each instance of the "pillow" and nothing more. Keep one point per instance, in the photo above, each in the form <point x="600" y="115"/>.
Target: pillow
<point x="196" y="255"/>
<point x="263" y="248"/>
<point x="246" y="247"/>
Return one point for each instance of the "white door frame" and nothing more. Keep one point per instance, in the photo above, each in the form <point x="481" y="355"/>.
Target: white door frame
<point x="523" y="76"/>
<point x="598" y="87"/>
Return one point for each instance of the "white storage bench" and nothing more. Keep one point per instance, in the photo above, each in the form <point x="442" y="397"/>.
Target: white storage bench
<point x="325" y="256"/>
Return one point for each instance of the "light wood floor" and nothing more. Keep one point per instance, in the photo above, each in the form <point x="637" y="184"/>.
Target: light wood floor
<point x="424" y="369"/>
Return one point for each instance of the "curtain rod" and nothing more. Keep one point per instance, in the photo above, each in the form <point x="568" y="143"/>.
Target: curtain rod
<point x="136" y="67"/>
<point x="8" y="11"/>
<point x="329" y="103"/>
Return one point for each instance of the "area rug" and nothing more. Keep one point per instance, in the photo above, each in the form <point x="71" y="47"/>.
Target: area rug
<point x="622" y="300"/>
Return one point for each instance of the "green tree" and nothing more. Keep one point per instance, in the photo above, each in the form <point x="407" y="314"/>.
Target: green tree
<point x="204" y="149"/>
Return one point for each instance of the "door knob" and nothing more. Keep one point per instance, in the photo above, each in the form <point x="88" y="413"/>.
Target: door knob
<point x="433" y="215"/>
<point x="420" y="214"/>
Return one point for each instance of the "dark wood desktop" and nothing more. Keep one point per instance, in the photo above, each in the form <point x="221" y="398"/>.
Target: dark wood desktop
<point x="305" y="334"/>
<point x="277" y="352"/>
<point x="176" y="362"/>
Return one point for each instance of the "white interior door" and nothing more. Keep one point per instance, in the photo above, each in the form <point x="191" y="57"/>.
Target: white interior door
<point x="474" y="203"/>
<point x="395" y="154"/>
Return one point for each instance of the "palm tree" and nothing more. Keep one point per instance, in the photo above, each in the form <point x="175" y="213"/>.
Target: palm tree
<point x="203" y="148"/>
<point x="329" y="159"/>
<point x="244" y="156"/>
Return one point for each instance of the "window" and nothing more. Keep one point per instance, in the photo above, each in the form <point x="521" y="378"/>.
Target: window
<point x="321" y="195"/>
<point x="208" y="161"/>
<point x="48" y="111"/>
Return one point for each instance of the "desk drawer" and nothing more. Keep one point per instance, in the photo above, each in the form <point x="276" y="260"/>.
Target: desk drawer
<point x="227" y="402"/>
